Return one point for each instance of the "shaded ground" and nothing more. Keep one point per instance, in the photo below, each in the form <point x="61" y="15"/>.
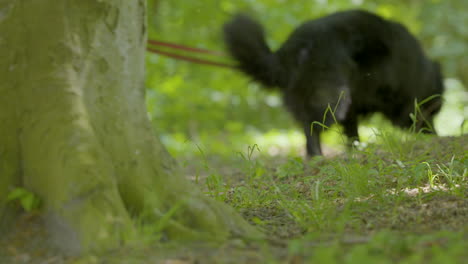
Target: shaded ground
<point x="426" y="216"/>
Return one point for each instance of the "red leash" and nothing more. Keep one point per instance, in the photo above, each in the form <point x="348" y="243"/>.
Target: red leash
<point x="182" y="47"/>
<point x="193" y="50"/>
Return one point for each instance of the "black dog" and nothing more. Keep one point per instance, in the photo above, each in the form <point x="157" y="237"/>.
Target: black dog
<point x="352" y="62"/>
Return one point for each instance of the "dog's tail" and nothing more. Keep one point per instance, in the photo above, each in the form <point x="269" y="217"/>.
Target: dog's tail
<point x="245" y="41"/>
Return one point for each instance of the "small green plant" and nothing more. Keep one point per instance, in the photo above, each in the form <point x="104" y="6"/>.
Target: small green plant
<point x="216" y="186"/>
<point x="293" y="167"/>
<point x="418" y="113"/>
<point x="432" y="177"/>
<point x="330" y="111"/>
<point x="151" y="223"/>
<point x="27" y="199"/>
<point x="455" y="174"/>
<point x="254" y="169"/>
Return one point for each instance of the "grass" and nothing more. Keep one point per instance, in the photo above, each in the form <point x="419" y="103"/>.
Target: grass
<point x="402" y="199"/>
<point x="396" y="201"/>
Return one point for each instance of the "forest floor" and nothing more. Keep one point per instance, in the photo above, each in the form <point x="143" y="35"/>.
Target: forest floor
<point x="396" y="202"/>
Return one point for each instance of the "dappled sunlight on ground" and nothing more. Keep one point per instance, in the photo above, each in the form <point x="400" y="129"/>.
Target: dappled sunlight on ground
<point x="454" y="112"/>
<point x="426" y="189"/>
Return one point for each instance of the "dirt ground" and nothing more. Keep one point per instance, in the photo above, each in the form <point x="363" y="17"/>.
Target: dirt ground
<point x="28" y="241"/>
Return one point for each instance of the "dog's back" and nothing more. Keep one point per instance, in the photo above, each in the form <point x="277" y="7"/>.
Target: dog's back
<point x="353" y="61"/>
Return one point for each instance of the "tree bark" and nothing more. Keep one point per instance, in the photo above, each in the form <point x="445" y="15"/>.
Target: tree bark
<point x="74" y="130"/>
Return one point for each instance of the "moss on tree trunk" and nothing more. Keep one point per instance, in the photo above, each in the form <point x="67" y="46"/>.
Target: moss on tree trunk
<point x="74" y="130"/>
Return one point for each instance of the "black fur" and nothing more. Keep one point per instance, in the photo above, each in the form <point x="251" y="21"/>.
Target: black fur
<point x="353" y="61"/>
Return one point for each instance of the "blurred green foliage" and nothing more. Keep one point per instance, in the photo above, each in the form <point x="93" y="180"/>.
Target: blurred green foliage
<point x="27" y="199"/>
<point x="221" y="111"/>
<point x="445" y="32"/>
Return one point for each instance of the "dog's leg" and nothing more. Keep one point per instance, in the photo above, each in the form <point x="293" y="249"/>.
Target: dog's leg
<point x="313" y="140"/>
<point x="351" y="129"/>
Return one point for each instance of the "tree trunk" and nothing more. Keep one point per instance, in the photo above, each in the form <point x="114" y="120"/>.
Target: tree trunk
<point x="74" y="130"/>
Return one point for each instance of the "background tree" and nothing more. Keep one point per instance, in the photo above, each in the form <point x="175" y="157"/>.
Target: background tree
<point x="444" y="30"/>
<point x="74" y="128"/>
